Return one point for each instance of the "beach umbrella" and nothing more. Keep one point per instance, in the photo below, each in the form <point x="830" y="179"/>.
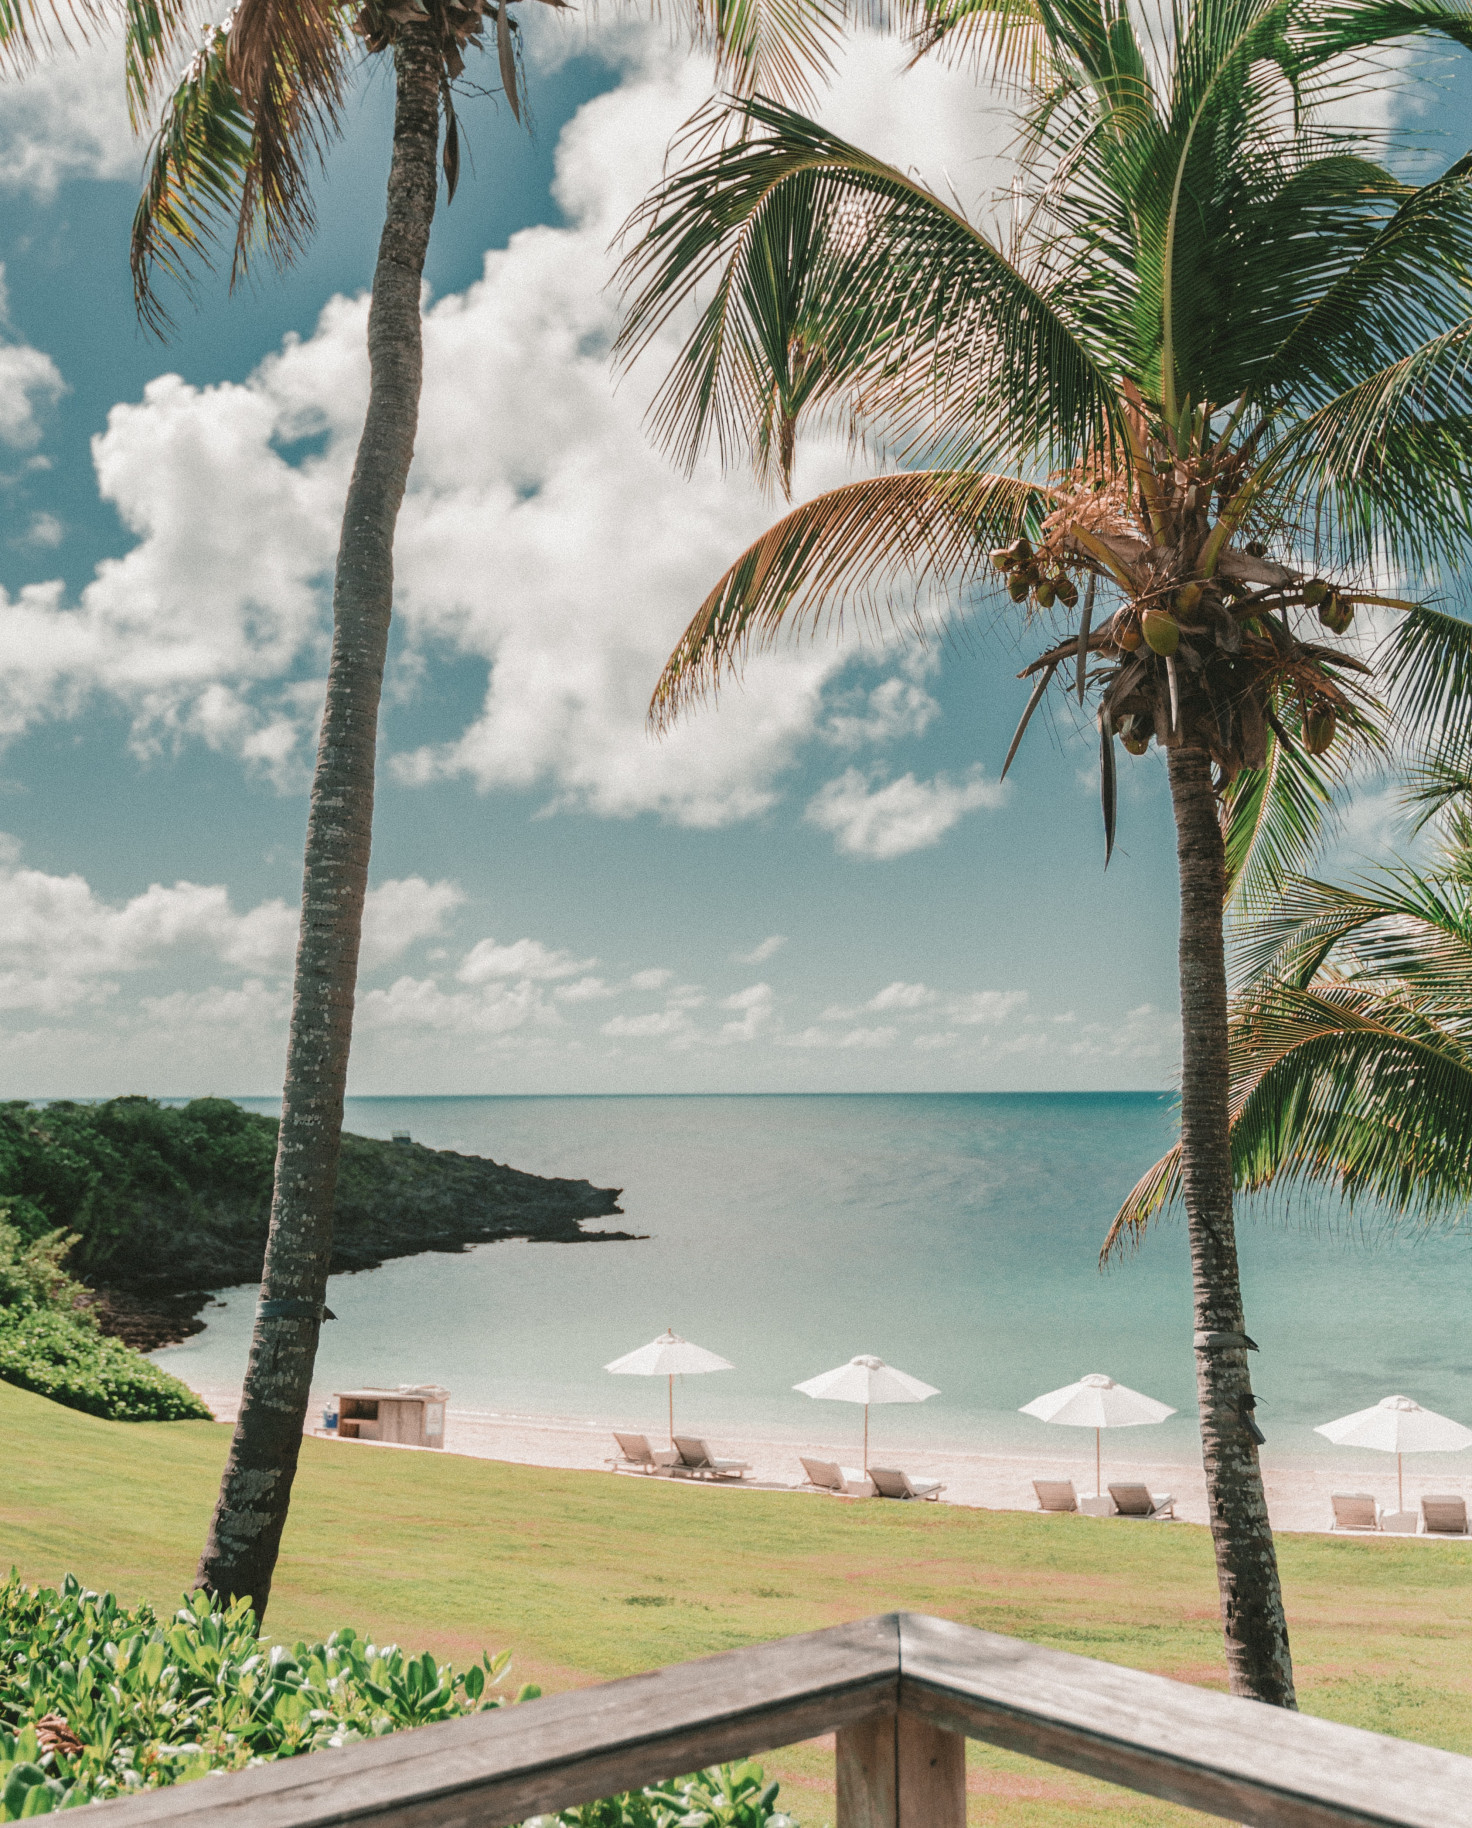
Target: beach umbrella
<point x="668" y="1356"/>
<point x="866" y="1380"/>
<point x="1398" y="1425"/>
<point x="1097" y="1402"/>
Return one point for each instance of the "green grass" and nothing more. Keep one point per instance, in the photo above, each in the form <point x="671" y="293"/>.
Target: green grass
<point x="585" y="1576"/>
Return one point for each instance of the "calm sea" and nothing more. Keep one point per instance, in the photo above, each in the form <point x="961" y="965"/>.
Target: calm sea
<point x="955" y="1236"/>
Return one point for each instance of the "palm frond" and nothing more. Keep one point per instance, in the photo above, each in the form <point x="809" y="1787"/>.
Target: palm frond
<point x="906" y="313"/>
<point x="195" y="178"/>
<point x="1426" y="663"/>
<point x="28" y="31"/>
<point x="153" y="32"/>
<point x="1274" y="819"/>
<point x="835" y="556"/>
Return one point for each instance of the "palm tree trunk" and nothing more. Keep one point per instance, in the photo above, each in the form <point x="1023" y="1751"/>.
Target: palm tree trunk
<point x="245" y="1533"/>
<point x="1256" y="1630"/>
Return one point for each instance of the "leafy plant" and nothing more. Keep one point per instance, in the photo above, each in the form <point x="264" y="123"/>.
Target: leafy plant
<point x="721" y="1796"/>
<point x="99" y="1700"/>
<point x="51" y="1344"/>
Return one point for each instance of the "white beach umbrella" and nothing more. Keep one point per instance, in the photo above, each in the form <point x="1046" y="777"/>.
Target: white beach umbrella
<point x="1398" y="1425"/>
<point x="668" y="1356"/>
<point x="1097" y="1402"/>
<point x="866" y="1380"/>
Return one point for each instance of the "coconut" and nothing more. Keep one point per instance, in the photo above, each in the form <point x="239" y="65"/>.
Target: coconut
<point x="1315" y="591"/>
<point x="1001" y="557"/>
<point x="1187" y="597"/>
<point x="1127" y="636"/>
<point x="1319" y="725"/>
<point x="1018" y="587"/>
<point x="1046" y="594"/>
<point x="1162" y="633"/>
<point x="1137" y="742"/>
<point x="1336" y="612"/>
<point x="1067" y="592"/>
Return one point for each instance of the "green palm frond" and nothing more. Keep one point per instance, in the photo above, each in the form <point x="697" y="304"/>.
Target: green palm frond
<point x="1427" y="668"/>
<point x="1274" y="819"/>
<point x="28" y="31"/>
<point x="903" y="307"/>
<point x="836" y="556"/>
<point x="771" y="47"/>
<point x="195" y="175"/>
<point x="153" y="32"/>
<point x="1005" y="38"/>
<point x="255" y="109"/>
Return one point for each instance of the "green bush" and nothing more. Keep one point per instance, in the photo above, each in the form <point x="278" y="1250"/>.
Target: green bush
<point x="51" y="1344"/>
<point x="99" y="1700"/>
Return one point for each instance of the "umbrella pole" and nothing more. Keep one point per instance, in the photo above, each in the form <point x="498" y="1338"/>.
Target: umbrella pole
<point x="672" y="1408"/>
<point x="866" y="1440"/>
<point x="1098" y="1462"/>
<point x="1400" y="1485"/>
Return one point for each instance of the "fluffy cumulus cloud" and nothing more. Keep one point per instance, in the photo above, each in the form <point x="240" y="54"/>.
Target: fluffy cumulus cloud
<point x="63" y="946"/>
<point x="543" y="537"/>
<point x="875" y="818"/>
<point x="68" y="119"/>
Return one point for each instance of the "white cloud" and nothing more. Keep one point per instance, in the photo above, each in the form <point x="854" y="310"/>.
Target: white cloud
<point x="542" y="536"/>
<point x="759" y="954"/>
<point x="654" y="979"/>
<point x="901" y="816"/>
<point x="757" y="1007"/>
<point x="29" y="382"/>
<point x="895" y="708"/>
<point x="985" y="1006"/>
<point x="659" y="1023"/>
<point x="526" y="958"/>
<point x="495" y="1008"/>
<point x="585" y="990"/>
<point x="68" y="118"/>
<point x="62" y="945"/>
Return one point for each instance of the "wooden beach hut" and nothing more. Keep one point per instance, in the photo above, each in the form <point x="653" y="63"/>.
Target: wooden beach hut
<point x="411" y="1415"/>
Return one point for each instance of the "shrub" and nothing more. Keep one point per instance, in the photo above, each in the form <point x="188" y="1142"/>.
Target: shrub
<point x="51" y="1344"/>
<point x="99" y="1700"/>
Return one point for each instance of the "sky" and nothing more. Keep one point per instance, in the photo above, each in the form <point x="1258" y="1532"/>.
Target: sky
<point x="819" y="885"/>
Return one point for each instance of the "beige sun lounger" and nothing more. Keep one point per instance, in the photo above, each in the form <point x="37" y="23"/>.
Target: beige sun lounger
<point x="1444" y="1514"/>
<point x="1055" y="1494"/>
<point x="890" y="1482"/>
<point x="634" y="1451"/>
<point x="1140" y="1501"/>
<point x="1354" y="1511"/>
<point x="842" y="1481"/>
<point x="697" y="1459"/>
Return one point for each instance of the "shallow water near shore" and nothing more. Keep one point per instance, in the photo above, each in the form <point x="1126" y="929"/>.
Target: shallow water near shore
<point x="957" y="1236"/>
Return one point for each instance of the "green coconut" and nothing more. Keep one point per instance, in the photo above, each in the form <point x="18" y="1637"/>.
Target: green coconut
<point x="1162" y="632"/>
<point x="1319" y="726"/>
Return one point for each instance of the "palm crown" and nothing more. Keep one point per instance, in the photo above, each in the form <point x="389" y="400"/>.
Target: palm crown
<point x="1214" y="361"/>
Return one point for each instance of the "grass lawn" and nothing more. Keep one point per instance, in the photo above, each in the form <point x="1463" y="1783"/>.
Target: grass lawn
<point x="586" y="1576"/>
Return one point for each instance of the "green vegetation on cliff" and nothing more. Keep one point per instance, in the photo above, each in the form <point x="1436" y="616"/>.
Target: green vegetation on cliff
<point x="169" y="1201"/>
<point x="50" y="1342"/>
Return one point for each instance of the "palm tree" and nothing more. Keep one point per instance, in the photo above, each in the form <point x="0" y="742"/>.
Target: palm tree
<point x="232" y="159"/>
<point x="1351" y="1034"/>
<point x="1208" y="380"/>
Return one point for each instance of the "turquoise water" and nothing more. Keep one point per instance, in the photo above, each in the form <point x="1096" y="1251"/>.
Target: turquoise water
<point x="955" y="1236"/>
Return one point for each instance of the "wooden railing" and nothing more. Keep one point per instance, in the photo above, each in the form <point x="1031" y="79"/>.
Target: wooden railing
<point x="902" y="1693"/>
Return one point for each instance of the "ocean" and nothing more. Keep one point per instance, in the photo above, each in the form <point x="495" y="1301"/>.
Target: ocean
<point x="956" y="1236"/>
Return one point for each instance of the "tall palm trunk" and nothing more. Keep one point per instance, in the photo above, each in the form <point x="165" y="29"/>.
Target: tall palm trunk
<point x="1256" y="1630"/>
<point x="245" y="1533"/>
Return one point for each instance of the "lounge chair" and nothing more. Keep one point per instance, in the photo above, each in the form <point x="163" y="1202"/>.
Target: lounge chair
<point x="634" y="1451"/>
<point x="697" y="1459"/>
<point x="842" y="1481"/>
<point x="1055" y="1494"/>
<point x="1354" y="1511"/>
<point x="1140" y="1501"/>
<point x="1444" y="1514"/>
<point x="890" y="1482"/>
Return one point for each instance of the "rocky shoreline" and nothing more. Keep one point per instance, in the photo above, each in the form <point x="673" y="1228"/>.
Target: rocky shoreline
<point x="395" y="1199"/>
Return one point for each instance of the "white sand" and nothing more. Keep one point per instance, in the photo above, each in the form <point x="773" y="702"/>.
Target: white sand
<point x="1298" y="1495"/>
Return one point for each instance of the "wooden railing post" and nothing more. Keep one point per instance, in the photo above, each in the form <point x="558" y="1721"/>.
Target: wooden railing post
<point x="899" y="1771"/>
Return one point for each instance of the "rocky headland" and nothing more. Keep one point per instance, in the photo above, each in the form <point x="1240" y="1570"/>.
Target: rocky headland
<point x="168" y="1203"/>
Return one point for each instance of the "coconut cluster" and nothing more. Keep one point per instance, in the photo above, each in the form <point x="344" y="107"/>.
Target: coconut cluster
<point x="1034" y="575"/>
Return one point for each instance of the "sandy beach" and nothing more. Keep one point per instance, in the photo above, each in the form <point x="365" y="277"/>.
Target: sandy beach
<point x="1298" y="1495"/>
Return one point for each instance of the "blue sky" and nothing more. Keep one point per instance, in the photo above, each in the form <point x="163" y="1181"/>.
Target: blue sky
<point x="819" y="886"/>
